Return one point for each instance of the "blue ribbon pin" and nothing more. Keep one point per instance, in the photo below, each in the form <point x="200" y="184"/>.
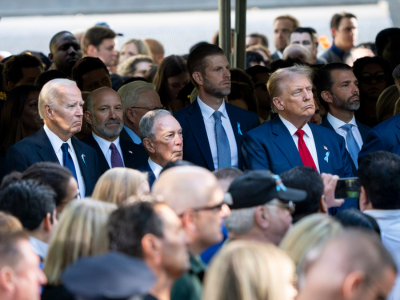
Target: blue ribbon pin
<point x="83" y="158"/>
<point x="239" y="131"/>
<point x="279" y="185"/>
<point x="326" y="156"/>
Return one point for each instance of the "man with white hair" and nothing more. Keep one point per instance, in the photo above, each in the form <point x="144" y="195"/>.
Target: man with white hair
<point x="138" y="98"/>
<point x="60" y="106"/>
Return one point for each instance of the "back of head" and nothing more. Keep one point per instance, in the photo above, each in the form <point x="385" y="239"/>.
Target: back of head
<point x="29" y="201"/>
<point x="297" y="51"/>
<point x="386" y="103"/>
<point x="130" y="93"/>
<point x="45" y="77"/>
<point x="248" y="270"/>
<point x="10" y="254"/>
<point x="379" y="174"/>
<point x="254" y="58"/>
<point x="13" y="67"/>
<point x="178" y="163"/>
<point x="9" y="223"/>
<point x="307" y="179"/>
<point x="95" y="36"/>
<point x="86" y="65"/>
<point x="81" y="231"/>
<point x="253" y="71"/>
<point x="156" y="48"/>
<point x="336" y="18"/>
<point x="382" y="38"/>
<point x="355" y="218"/>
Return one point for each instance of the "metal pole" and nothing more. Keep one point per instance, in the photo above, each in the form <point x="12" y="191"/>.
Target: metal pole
<point x="240" y="35"/>
<point x="225" y="27"/>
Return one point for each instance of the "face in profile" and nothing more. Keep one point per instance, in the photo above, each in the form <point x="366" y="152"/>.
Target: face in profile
<point x="30" y="115"/>
<point x="107" y="52"/>
<point x="345" y="90"/>
<point x="347" y="33"/>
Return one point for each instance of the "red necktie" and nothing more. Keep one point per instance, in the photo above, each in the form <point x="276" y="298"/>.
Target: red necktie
<point x="305" y="154"/>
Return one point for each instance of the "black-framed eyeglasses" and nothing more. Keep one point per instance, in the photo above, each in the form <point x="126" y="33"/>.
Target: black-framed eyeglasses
<point x="290" y="206"/>
<point x="263" y="85"/>
<point x="215" y="208"/>
<point x="368" y="77"/>
<point x="149" y="109"/>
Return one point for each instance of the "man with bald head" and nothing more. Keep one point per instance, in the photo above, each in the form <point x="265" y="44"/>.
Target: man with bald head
<point x="104" y="114"/>
<point x="352" y="266"/>
<point x="300" y="52"/>
<point x="60" y="106"/>
<point x="197" y="198"/>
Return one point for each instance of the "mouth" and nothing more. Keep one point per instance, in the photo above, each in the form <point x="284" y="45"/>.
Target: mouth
<point x="356" y="98"/>
<point x="308" y="106"/>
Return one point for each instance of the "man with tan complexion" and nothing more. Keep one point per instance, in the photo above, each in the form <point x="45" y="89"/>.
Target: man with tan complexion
<point x="283" y="26"/>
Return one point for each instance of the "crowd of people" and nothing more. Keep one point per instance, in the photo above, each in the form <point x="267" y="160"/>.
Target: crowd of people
<point x="129" y="175"/>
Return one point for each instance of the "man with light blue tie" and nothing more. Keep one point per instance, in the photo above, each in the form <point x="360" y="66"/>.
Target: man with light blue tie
<point x="212" y="128"/>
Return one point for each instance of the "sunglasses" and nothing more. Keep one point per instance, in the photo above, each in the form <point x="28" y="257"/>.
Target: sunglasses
<point x="368" y="77"/>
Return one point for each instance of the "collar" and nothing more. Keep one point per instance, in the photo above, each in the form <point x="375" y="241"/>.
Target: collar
<point x="55" y="141"/>
<point x="336" y="123"/>
<point x="135" y="138"/>
<point x="155" y="168"/>
<point x="383" y="213"/>
<point x="280" y="54"/>
<point x="104" y="144"/>
<point x="292" y="129"/>
<point x="337" y="50"/>
<point x="207" y="111"/>
<point x="39" y="247"/>
<point x="196" y="265"/>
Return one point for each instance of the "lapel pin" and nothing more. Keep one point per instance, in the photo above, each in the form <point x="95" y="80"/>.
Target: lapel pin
<point x="83" y="158"/>
<point x="239" y="131"/>
<point x="326" y="148"/>
<point x="326" y="156"/>
<point x="130" y="152"/>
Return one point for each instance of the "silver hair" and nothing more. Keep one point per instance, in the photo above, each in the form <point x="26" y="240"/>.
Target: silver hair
<point x="240" y="221"/>
<point x="50" y="92"/>
<point x="146" y="124"/>
<point x="130" y="93"/>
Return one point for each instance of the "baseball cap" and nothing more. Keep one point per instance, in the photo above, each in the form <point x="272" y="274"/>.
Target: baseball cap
<point x="106" y="25"/>
<point x="258" y="187"/>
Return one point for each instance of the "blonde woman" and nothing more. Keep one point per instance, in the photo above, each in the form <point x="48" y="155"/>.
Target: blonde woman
<point x="131" y="48"/>
<point x="310" y="232"/>
<point x="249" y="270"/>
<point x="118" y="184"/>
<point x="81" y="231"/>
<point x="135" y="66"/>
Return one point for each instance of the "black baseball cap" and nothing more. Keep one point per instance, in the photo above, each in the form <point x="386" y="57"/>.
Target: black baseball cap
<point x="258" y="187"/>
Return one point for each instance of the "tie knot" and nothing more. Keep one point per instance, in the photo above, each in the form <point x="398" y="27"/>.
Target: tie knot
<point x="64" y="147"/>
<point x="112" y="146"/>
<point x="299" y="133"/>
<point x="217" y="115"/>
<point x="346" y="127"/>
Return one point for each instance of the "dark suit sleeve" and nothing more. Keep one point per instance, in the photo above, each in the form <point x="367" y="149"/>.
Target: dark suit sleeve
<point x="15" y="161"/>
<point x="253" y="154"/>
<point x="373" y="142"/>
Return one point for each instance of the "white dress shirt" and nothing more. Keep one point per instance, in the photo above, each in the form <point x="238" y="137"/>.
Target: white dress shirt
<point x="155" y="168"/>
<point x="135" y="138"/>
<point x="307" y="137"/>
<point x="39" y="247"/>
<point x="280" y="54"/>
<point x="56" y="142"/>
<point x="105" y="148"/>
<point x="336" y="124"/>
<point x="389" y="224"/>
<point x="209" y="122"/>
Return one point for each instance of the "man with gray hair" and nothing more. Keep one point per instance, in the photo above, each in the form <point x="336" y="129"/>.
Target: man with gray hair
<point x="137" y="98"/>
<point x="60" y="106"/>
<point x="289" y="140"/>
<point x="104" y="114"/>
<point x="161" y="135"/>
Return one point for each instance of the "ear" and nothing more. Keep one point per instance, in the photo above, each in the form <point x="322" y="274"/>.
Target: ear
<point x="278" y="103"/>
<point x="48" y="110"/>
<point x="10" y="85"/>
<point x="6" y="279"/>
<point x="88" y="117"/>
<point x="333" y="31"/>
<point x="149" y="145"/>
<point x="363" y="201"/>
<point x="352" y="285"/>
<point x="152" y="247"/>
<point x="188" y="222"/>
<point x="51" y="57"/>
<point x="91" y="50"/>
<point x="198" y="77"/>
<point x="327" y="96"/>
<point x="323" y="208"/>
<point x="130" y="114"/>
<point x="261" y="217"/>
<point x="47" y="223"/>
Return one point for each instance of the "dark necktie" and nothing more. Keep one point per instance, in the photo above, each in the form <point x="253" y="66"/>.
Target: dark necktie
<point x="116" y="160"/>
<point x="67" y="160"/>
<point x="223" y="147"/>
<point x="305" y="154"/>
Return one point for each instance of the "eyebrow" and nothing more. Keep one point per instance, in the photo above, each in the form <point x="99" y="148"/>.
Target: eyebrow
<point x="346" y="81"/>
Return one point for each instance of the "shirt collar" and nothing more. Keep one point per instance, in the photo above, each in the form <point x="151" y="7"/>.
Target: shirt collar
<point x="155" y="168"/>
<point x="292" y="129"/>
<point x="135" y="138"/>
<point x="55" y="141"/>
<point x="39" y="247"/>
<point x="104" y="144"/>
<point x="207" y="111"/>
<point x="336" y="123"/>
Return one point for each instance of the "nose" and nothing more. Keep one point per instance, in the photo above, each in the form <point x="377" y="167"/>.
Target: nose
<point x="42" y="277"/>
<point x="79" y="111"/>
<point x="178" y="140"/>
<point x="227" y="73"/>
<point x="113" y="115"/>
<point x="225" y="211"/>
<point x="71" y="49"/>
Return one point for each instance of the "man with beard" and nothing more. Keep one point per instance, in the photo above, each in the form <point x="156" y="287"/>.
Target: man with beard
<point x="65" y="51"/>
<point x="339" y="94"/>
<point x="104" y="114"/>
<point x="212" y="128"/>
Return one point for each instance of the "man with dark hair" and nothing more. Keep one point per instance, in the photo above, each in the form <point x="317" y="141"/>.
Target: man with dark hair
<point x="344" y="28"/>
<point x="65" y="51"/>
<point x="152" y="231"/>
<point x="20" y="275"/>
<point x="22" y="69"/>
<point x="212" y="129"/>
<point x="305" y="36"/>
<point x="379" y="175"/>
<point x="256" y="39"/>
<point x="226" y="176"/>
<point x="338" y="92"/>
<point x="90" y="73"/>
<point x="283" y="26"/>
<point x="387" y="45"/>
<point x="46" y="76"/>
<point x="34" y="205"/>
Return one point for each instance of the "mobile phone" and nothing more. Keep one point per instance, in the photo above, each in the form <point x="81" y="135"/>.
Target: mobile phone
<point x="348" y="188"/>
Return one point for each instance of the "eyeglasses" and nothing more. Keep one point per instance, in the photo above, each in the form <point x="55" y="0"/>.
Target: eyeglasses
<point x="263" y="85"/>
<point x="215" y="208"/>
<point x="290" y="206"/>
<point x="149" y="109"/>
<point x="368" y="77"/>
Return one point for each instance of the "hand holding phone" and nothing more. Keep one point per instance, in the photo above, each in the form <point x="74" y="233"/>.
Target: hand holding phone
<point x="330" y="182"/>
<point x="348" y="188"/>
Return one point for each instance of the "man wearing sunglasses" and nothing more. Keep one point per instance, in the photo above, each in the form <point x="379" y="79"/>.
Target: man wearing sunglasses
<point x="261" y="207"/>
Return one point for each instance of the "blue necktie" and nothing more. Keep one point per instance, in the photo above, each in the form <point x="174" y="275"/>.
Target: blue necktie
<point x="223" y="148"/>
<point x="351" y="143"/>
<point x="67" y="160"/>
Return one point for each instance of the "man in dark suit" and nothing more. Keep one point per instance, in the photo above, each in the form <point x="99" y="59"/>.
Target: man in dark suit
<point x="288" y="140"/>
<point x="104" y="114"/>
<point x="162" y="138"/>
<point x="338" y="93"/>
<point x="212" y="128"/>
<point x="60" y="106"/>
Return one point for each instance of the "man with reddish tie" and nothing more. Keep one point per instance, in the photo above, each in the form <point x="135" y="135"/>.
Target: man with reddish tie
<point x="288" y="140"/>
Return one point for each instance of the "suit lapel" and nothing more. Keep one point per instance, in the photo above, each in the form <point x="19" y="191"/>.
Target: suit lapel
<point x="80" y="157"/>
<point x="320" y="144"/>
<point x="44" y="147"/>
<point x="196" y="123"/>
<point x="103" y="164"/>
<point x="235" y="127"/>
<point x="398" y="130"/>
<point x="285" y="142"/>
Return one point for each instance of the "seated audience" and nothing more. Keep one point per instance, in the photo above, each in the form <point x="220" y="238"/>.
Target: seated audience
<point x="136" y="66"/>
<point x="105" y="116"/>
<point x="297" y="51"/>
<point x="156" y="50"/>
<point x="263" y="51"/>
<point x="133" y="47"/>
<point x="162" y="139"/>
<point x="310" y="232"/>
<point x="90" y="73"/>
<point x="34" y="205"/>
<point x="19" y="117"/>
<point x="254" y="58"/>
<point x="9" y="223"/>
<point x="46" y="76"/>
<point x="387" y="46"/>
<point x="150" y="230"/>
<point x="356" y="219"/>
<point x="81" y="232"/>
<point x="118" y="184"/>
<point x="22" y="69"/>
<point x="258" y="271"/>
<point x="137" y="98"/>
<point x="261" y="207"/>
<point x="386" y="103"/>
<point x="256" y="39"/>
